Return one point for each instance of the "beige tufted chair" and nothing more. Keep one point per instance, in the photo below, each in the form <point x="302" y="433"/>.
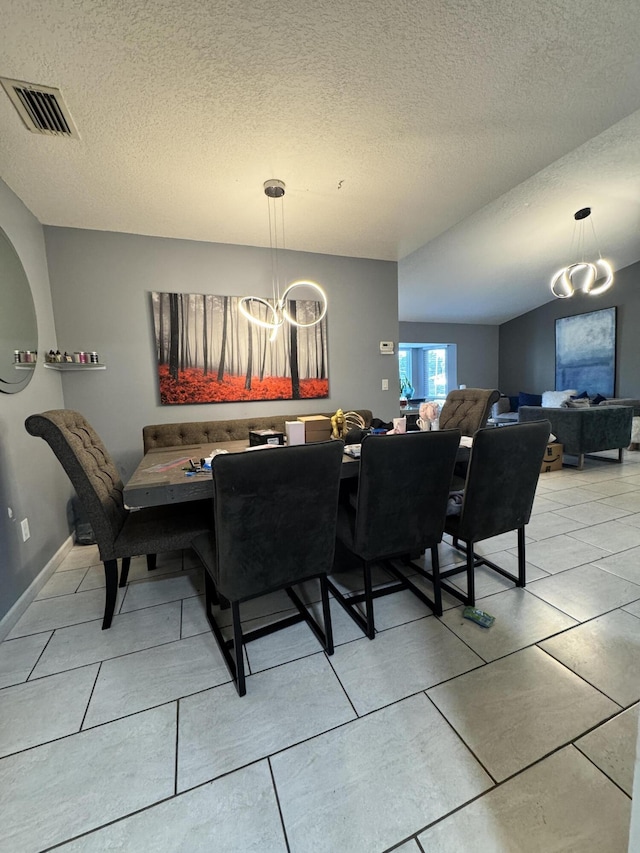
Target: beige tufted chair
<point x="119" y="533"/>
<point x="468" y="409"/>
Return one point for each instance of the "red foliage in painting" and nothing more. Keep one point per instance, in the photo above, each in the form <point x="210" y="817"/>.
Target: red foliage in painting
<point x="193" y="387"/>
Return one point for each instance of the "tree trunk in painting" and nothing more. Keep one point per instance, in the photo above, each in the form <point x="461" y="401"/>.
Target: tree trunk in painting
<point x="247" y="379"/>
<point x="174" y="334"/>
<point x="262" y="348"/>
<point x="223" y="345"/>
<point x="323" y="369"/>
<point x="205" y="337"/>
<point x="183" y="332"/>
<point x="295" y="376"/>
<point x="161" y="351"/>
<point x="187" y="332"/>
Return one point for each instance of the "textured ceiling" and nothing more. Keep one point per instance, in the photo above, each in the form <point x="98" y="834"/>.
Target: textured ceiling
<point x="459" y="136"/>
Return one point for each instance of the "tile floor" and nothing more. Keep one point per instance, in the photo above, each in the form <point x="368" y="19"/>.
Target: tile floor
<point x="437" y="736"/>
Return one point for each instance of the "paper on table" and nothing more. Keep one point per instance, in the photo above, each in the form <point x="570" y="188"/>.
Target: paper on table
<point x="466" y="441"/>
<point x="165" y="466"/>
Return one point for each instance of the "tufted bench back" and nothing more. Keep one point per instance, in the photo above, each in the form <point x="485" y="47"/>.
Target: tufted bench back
<point x="212" y="432"/>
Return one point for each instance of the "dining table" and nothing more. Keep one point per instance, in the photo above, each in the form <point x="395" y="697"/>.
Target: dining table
<point x="165" y="475"/>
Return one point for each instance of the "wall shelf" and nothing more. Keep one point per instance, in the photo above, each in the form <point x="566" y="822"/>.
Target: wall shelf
<point x="72" y="365"/>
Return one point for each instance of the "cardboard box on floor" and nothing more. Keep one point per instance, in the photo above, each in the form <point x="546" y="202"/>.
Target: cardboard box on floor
<point x="552" y="460"/>
<point x="316" y="427"/>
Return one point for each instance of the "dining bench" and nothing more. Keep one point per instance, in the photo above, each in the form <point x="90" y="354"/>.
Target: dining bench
<point x="211" y="432"/>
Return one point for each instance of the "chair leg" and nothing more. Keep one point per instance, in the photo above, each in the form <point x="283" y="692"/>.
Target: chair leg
<point x="471" y="583"/>
<point x="519" y="579"/>
<point x="368" y="599"/>
<point x="238" y="649"/>
<point x="111" y="580"/>
<point x="349" y="602"/>
<point x="435" y="574"/>
<point x="522" y="565"/>
<point x="323" y="633"/>
<point x="233" y="657"/>
<point x="326" y="614"/>
<point x="124" y="572"/>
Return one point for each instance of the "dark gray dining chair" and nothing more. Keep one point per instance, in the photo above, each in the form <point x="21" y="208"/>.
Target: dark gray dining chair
<point x="500" y="486"/>
<point x="273" y="527"/>
<point x="397" y="512"/>
<point x="119" y="532"/>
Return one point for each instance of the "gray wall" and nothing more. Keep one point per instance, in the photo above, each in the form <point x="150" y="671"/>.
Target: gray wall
<point x="100" y="285"/>
<point x="32" y="482"/>
<point x="527" y="344"/>
<point x="477" y="348"/>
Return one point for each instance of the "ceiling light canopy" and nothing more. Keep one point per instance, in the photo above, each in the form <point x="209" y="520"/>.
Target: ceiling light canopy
<point x="273" y="313"/>
<point x="592" y="277"/>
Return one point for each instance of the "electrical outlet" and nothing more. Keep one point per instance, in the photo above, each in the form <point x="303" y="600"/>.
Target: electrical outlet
<point x="385" y="384"/>
<point x="24" y="524"/>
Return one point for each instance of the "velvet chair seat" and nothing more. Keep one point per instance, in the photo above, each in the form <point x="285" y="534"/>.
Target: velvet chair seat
<point x="398" y="511"/>
<point x="273" y="527"/>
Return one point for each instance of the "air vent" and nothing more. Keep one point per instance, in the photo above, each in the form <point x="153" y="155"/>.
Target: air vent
<point x="41" y="108"/>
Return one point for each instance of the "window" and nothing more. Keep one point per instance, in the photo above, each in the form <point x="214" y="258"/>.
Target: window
<point x="406" y="370"/>
<point x="428" y="369"/>
<point x="434" y="367"/>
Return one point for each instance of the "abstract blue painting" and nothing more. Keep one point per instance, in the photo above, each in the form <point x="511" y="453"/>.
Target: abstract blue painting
<point x="586" y="352"/>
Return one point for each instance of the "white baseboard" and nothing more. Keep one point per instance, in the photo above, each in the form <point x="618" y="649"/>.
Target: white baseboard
<point x="10" y="619"/>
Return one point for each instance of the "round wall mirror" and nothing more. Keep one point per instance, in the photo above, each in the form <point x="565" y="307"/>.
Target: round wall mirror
<point x="18" y="324"/>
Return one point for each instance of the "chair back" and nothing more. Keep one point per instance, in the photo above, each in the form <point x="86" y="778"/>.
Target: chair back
<point x="90" y="468"/>
<point x="274" y="516"/>
<point x="468" y="409"/>
<point x="403" y="488"/>
<point x="501" y="479"/>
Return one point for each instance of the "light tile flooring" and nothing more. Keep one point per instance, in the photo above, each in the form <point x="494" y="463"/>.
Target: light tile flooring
<point x="437" y="736"/>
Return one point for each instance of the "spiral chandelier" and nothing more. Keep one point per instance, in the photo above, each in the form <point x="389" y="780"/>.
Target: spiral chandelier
<point x="592" y="277"/>
<point x="275" y="312"/>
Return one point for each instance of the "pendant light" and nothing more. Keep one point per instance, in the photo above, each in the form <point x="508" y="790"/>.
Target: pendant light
<point x="277" y="312"/>
<point x="592" y="277"/>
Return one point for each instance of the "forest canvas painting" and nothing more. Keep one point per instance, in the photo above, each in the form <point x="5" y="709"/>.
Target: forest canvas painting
<point x="208" y="352"/>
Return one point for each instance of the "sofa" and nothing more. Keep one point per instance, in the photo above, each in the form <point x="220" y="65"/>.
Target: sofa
<point x="635" y="427"/>
<point x="505" y="409"/>
<point x="585" y="430"/>
<point x="211" y="432"/>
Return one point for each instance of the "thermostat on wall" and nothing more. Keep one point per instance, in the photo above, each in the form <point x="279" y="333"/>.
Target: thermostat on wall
<point x="386" y="347"/>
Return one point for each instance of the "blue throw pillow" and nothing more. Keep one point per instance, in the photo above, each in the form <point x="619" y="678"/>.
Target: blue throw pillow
<point x="529" y="399"/>
<point x="598" y="399"/>
<point x="583" y="396"/>
<point x="513" y="404"/>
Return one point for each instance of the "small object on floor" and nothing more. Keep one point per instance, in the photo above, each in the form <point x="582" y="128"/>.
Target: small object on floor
<point x="454" y="504"/>
<point x="479" y="616"/>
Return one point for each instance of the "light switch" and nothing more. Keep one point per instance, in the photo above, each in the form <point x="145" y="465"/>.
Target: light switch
<point x="385" y="384"/>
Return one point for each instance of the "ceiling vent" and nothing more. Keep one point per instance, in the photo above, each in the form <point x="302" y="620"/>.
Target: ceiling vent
<point x="41" y="108"/>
